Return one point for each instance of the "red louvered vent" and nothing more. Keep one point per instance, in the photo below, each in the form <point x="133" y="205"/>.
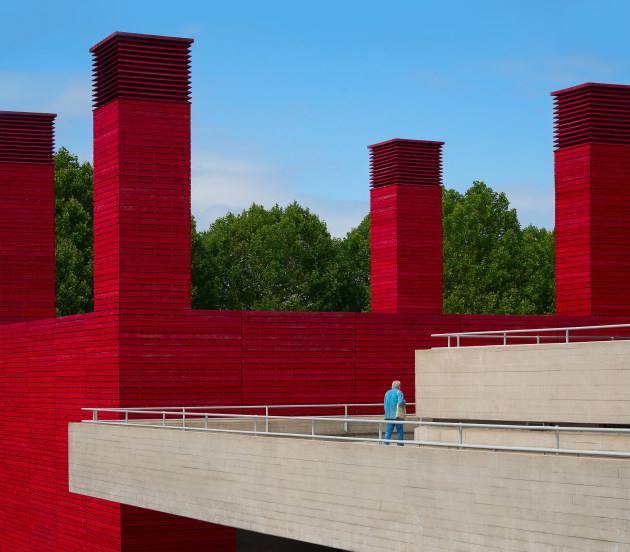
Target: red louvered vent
<point x="405" y="162"/>
<point x="26" y="136"/>
<point x="141" y="66"/>
<point x="593" y="113"/>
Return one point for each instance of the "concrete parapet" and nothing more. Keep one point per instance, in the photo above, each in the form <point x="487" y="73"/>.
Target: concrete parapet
<point x="566" y="383"/>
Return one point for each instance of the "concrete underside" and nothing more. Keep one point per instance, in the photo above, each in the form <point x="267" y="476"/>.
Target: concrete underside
<point x="250" y="541"/>
<point x="358" y="496"/>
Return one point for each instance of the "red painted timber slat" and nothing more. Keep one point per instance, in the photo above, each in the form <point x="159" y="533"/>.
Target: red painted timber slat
<point x="27" y="223"/>
<point x="406" y="226"/>
<point x="144" y="346"/>
<point x="592" y="172"/>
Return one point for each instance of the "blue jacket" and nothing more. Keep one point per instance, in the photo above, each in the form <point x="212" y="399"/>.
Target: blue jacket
<point x="392" y="398"/>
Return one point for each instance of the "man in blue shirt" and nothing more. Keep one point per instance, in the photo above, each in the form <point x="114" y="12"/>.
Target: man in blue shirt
<point x="393" y="398"/>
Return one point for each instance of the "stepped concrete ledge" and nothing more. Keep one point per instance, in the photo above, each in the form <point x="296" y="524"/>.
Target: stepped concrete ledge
<point x="360" y="496"/>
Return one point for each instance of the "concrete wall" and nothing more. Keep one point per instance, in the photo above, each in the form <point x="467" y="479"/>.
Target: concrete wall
<point x="358" y="496"/>
<point x="582" y="383"/>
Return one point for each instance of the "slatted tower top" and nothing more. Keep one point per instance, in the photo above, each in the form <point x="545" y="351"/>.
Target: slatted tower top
<point x="26" y="136"/>
<point x="592" y="113"/>
<point x="141" y="66"/>
<point x="401" y="161"/>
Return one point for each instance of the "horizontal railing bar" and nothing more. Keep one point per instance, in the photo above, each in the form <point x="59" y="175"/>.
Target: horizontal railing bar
<point x="374" y="440"/>
<point x="416" y="423"/>
<point x="235" y="407"/>
<point x="201" y="415"/>
<point x="530" y="330"/>
<point x="548" y="337"/>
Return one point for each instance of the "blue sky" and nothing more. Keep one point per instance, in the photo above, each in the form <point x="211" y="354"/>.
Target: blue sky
<point x="287" y="95"/>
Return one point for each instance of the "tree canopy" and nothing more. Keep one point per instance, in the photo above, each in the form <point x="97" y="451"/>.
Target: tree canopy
<point x="74" y="241"/>
<point x="491" y="265"/>
<point x="276" y="259"/>
<point x="285" y="258"/>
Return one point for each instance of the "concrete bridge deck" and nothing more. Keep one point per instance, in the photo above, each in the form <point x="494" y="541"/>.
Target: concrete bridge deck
<point x="360" y="496"/>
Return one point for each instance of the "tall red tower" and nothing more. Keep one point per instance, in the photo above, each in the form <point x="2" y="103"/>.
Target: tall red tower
<point x="27" y="217"/>
<point x="592" y="174"/>
<point x="406" y="226"/>
<point x="142" y="173"/>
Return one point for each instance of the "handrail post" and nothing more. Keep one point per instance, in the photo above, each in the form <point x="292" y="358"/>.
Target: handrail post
<point x="567" y="336"/>
<point x="460" y="434"/>
<point x="95" y="415"/>
<point x="380" y="430"/>
<point x="449" y="341"/>
<point x="504" y="338"/>
<point x="267" y="419"/>
<point x="205" y="422"/>
<point x="184" y="418"/>
<point x="126" y="417"/>
<point x="345" y="425"/>
<point x="458" y="340"/>
<point x="163" y="419"/>
<point x="255" y="424"/>
<point x="537" y="339"/>
<point x="313" y="426"/>
<point x="557" y="439"/>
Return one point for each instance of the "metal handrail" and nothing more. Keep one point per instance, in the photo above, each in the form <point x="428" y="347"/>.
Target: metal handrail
<point x="190" y="409"/>
<point x="508" y="334"/>
<point x="313" y="419"/>
<point x="249" y="406"/>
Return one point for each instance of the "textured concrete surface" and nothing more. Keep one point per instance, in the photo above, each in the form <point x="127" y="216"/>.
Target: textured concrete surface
<point x="361" y="497"/>
<point x="580" y="383"/>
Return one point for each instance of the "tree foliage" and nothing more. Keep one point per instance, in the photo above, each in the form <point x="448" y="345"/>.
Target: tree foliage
<point x="491" y="265"/>
<point x="352" y="269"/>
<point x="74" y="242"/>
<point x="285" y="258"/>
<point x="276" y="259"/>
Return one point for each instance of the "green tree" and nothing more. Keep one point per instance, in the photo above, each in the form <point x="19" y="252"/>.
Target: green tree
<point x="491" y="266"/>
<point x="74" y="241"/>
<point x="285" y="259"/>
<point x="204" y="272"/>
<point x="276" y="259"/>
<point x="352" y="270"/>
<point x="538" y="250"/>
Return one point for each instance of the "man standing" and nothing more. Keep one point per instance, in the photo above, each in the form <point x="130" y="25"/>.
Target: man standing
<point x="393" y="398"/>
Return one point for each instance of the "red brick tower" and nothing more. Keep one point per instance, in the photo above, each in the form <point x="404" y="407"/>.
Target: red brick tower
<point x="142" y="173"/>
<point x="406" y="226"/>
<point x="27" y="217"/>
<point x="592" y="174"/>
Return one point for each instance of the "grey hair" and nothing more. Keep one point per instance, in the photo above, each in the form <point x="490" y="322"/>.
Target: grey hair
<point x="396" y="384"/>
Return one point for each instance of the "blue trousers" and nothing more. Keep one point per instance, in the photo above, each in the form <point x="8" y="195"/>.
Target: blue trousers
<point x="399" y="431"/>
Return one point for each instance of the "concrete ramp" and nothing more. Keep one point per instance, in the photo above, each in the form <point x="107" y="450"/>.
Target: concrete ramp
<point x="360" y="496"/>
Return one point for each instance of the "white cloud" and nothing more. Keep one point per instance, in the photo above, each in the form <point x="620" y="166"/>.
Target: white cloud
<point x="220" y="185"/>
<point x="68" y="94"/>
